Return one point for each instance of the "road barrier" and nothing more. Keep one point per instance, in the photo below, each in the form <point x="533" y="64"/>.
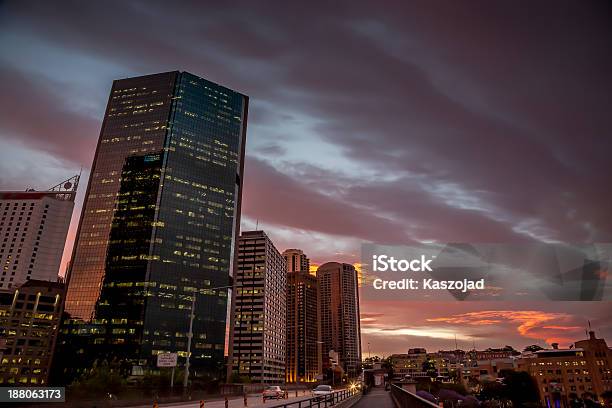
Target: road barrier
<point x="405" y="399"/>
<point x="323" y="401"/>
<point x="201" y="403"/>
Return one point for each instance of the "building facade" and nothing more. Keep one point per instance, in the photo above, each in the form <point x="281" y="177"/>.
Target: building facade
<point x="303" y="339"/>
<point x="29" y="320"/>
<point x="582" y="371"/>
<point x="258" y="330"/>
<point x="33" y="229"/>
<point x="339" y="323"/>
<point x="159" y="223"/>
<point x="409" y="365"/>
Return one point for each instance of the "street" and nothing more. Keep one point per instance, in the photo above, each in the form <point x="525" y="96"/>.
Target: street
<point x="253" y="401"/>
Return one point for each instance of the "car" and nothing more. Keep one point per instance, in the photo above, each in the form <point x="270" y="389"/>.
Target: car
<point x="273" y="392"/>
<point x="323" y="392"/>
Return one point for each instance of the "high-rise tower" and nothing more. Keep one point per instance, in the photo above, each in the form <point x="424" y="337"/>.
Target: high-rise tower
<point x="159" y="222"/>
<point x="339" y="315"/>
<point x="257" y="343"/>
<point x="33" y="229"/>
<point x="303" y="340"/>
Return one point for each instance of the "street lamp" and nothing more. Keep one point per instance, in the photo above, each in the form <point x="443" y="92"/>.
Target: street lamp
<point x="190" y="333"/>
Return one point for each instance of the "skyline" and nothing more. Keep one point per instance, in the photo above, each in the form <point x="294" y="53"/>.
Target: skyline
<point x="378" y="119"/>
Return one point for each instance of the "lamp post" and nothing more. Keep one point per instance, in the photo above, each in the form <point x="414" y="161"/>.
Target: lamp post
<point x="190" y="333"/>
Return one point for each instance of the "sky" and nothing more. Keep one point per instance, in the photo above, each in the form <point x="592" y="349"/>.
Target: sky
<point x="454" y="122"/>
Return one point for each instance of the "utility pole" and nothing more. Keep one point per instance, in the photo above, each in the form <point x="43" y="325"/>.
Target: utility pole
<point x="190" y="333"/>
<point x="189" y="336"/>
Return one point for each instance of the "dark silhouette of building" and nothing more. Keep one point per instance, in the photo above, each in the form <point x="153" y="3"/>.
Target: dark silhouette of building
<point x="159" y="222"/>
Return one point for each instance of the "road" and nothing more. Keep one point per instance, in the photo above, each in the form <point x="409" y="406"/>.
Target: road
<point x="254" y="401"/>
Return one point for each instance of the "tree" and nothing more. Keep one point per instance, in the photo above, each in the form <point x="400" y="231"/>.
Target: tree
<point x="512" y="350"/>
<point x="368" y="362"/>
<point x="99" y="381"/>
<point x="533" y="348"/>
<point x="236" y="378"/>
<point x="429" y="367"/>
<point x="493" y="390"/>
<point x="521" y="387"/>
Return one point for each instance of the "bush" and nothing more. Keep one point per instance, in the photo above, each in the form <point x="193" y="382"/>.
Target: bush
<point x="97" y="382"/>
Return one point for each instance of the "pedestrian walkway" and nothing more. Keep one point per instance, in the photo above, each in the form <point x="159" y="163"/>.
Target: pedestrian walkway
<point x="376" y="398"/>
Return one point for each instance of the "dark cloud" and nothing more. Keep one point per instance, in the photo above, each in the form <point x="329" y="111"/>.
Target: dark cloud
<point x="279" y="199"/>
<point x="36" y="116"/>
<point x="476" y="121"/>
<point x="506" y="100"/>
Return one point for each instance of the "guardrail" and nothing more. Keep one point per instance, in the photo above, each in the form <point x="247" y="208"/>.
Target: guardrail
<point x="320" y="402"/>
<point x="405" y="399"/>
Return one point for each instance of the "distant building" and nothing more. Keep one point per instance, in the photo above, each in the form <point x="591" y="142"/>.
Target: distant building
<point x="303" y="347"/>
<point x="339" y="315"/>
<point x="410" y="364"/>
<point x="33" y="229"/>
<point x="495" y="353"/>
<point x="599" y="359"/>
<point x="29" y="321"/>
<point x="487" y="370"/>
<point x="584" y="370"/>
<point x="258" y="327"/>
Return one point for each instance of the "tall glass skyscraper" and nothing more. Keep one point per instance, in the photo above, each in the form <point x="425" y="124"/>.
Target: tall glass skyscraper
<point x="159" y="223"/>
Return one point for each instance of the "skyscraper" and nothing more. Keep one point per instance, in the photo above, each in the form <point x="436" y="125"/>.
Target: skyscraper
<point x="257" y="342"/>
<point x="303" y="357"/>
<point x="33" y="229"/>
<point x="159" y="222"/>
<point x="339" y="315"/>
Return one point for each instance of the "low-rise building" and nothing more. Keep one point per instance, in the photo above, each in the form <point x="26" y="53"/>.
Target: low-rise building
<point x="29" y="321"/>
<point x="410" y="364"/>
<point x="582" y="371"/>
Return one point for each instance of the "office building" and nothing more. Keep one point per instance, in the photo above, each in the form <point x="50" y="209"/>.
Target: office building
<point x="29" y="320"/>
<point x="303" y="340"/>
<point x="158" y="227"/>
<point x="258" y="332"/>
<point x="33" y="229"/>
<point x="339" y="315"/>
<point x="581" y="371"/>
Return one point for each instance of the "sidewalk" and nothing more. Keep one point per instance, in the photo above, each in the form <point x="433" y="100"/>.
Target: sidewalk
<point x="378" y="398"/>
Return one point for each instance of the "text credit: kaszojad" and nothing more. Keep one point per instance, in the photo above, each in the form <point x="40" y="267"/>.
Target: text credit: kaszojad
<point x="385" y="263"/>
